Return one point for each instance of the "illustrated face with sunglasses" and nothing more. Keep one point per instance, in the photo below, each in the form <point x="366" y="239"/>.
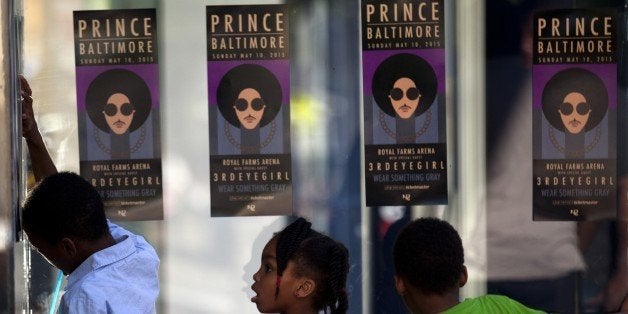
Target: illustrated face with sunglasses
<point x="574" y="112"/>
<point x="404" y="97"/>
<point x="249" y="107"/>
<point x="119" y="113"/>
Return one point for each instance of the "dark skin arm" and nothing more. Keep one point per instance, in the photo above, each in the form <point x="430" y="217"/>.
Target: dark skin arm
<point x="43" y="166"/>
<point x="42" y="163"/>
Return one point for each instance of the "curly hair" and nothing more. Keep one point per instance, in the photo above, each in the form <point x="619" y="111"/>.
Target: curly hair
<point x="64" y="205"/>
<point x="428" y="253"/>
<point x="571" y="80"/>
<point x="319" y="257"/>
<point x="118" y="81"/>
<point x="246" y="76"/>
<point x="399" y="66"/>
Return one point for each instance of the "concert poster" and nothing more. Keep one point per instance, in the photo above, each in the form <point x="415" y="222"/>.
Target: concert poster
<point x="403" y="59"/>
<point x="574" y="79"/>
<point x="248" y="71"/>
<point x="117" y="86"/>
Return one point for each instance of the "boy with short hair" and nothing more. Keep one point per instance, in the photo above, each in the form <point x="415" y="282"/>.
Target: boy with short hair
<point x="109" y="269"/>
<point x="429" y="272"/>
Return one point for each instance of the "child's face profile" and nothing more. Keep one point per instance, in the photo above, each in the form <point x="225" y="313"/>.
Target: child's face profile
<point x="265" y="283"/>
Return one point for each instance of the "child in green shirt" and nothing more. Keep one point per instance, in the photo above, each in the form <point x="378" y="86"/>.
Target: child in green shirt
<point x="429" y="272"/>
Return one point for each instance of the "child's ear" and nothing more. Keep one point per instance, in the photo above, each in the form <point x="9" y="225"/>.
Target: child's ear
<point x="306" y="287"/>
<point x="69" y="247"/>
<point x="463" y="277"/>
<point x="400" y="285"/>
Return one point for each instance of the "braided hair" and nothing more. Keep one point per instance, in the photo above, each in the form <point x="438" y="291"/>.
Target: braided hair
<point x="319" y="257"/>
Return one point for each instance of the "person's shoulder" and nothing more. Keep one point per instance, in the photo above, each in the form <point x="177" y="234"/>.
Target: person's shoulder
<point x="491" y="303"/>
<point x="116" y="229"/>
<point x="144" y="252"/>
<point x="118" y="233"/>
<point x="505" y="303"/>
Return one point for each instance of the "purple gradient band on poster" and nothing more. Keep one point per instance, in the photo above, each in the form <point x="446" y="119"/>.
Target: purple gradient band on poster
<point x="372" y="59"/>
<point x="86" y="74"/>
<point x="543" y="73"/>
<point x="217" y="69"/>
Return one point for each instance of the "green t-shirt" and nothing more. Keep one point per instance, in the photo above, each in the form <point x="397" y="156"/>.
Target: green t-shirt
<point x="491" y="304"/>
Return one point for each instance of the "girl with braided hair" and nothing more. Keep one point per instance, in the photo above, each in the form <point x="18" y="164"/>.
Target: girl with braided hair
<point x="302" y="271"/>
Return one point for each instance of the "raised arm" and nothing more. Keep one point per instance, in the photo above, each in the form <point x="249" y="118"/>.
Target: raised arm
<point x="42" y="164"/>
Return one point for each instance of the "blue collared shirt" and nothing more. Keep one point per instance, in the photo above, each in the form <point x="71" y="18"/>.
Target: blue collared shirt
<point x="119" y="279"/>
